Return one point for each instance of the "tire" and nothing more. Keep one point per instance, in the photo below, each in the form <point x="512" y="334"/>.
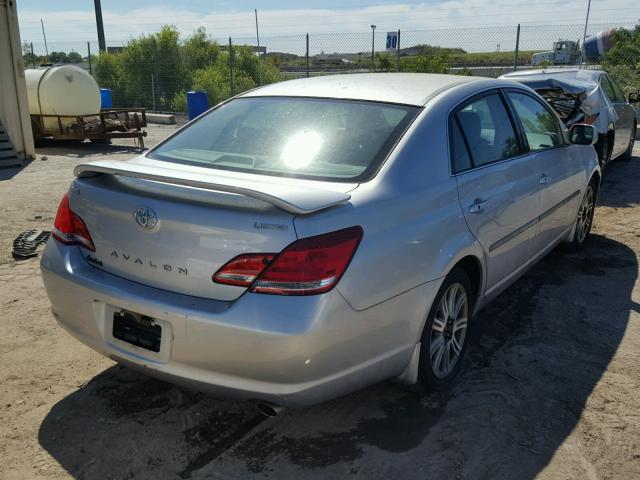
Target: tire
<point x="629" y="153"/>
<point x="434" y="372"/>
<point x="585" y="214"/>
<point x="602" y="149"/>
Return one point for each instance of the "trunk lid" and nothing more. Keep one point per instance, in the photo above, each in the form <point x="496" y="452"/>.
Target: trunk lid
<point x="173" y="226"/>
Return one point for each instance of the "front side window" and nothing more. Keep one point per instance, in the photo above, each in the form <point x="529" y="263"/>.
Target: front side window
<point x="324" y="139"/>
<point x="607" y="88"/>
<point x="487" y="130"/>
<point x="541" y="128"/>
<point x="617" y="91"/>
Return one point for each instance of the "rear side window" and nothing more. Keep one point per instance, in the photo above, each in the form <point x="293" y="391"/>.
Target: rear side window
<point x="487" y="130"/>
<point x="461" y="158"/>
<point x="323" y="139"/>
<point x="541" y="128"/>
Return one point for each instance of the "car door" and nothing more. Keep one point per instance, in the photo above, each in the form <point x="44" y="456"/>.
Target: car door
<point x="559" y="180"/>
<point x="625" y="112"/>
<point x="497" y="186"/>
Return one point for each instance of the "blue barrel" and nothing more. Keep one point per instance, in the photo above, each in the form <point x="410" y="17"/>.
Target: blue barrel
<point x="106" y="99"/>
<point x="197" y="103"/>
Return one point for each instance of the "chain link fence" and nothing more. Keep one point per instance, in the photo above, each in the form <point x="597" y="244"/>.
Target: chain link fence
<point x="156" y="71"/>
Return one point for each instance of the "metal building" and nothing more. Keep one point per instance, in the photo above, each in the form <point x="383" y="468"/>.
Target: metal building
<point x="16" y="138"/>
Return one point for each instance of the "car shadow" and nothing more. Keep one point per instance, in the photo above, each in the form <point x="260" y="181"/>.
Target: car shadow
<point x="619" y="185"/>
<point x="78" y="149"/>
<point x="535" y="356"/>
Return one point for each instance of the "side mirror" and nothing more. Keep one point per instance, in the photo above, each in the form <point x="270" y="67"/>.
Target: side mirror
<point x="633" y="97"/>
<point x="582" y="134"/>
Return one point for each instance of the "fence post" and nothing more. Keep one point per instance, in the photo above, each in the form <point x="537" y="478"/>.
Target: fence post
<point x="515" y="60"/>
<point x="307" y="55"/>
<point x="153" y="93"/>
<point x="398" y="53"/>
<point x="89" y="57"/>
<point x="231" y="67"/>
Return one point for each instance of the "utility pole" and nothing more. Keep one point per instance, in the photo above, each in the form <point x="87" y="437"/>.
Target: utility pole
<point x="231" y="85"/>
<point x="307" y="54"/>
<point x="257" y="32"/>
<point x="398" y="53"/>
<point x="46" y="48"/>
<point x="258" y="40"/>
<point x="102" y="46"/>
<point x="515" y="59"/>
<point x="586" y="23"/>
<point x="89" y="57"/>
<point x="373" y="45"/>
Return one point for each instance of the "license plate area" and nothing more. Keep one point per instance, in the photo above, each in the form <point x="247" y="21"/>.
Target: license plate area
<point x="137" y="329"/>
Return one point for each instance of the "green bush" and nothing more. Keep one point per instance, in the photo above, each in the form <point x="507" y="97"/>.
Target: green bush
<point x="622" y="61"/>
<point x="176" y="66"/>
<point x="427" y="63"/>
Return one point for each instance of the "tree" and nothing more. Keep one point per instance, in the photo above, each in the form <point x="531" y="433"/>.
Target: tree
<point x="622" y="61"/>
<point x="176" y="66"/>
<point x="384" y="63"/>
<point x="28" y="58"/>
<point x="426" y="63"/>
<point x="199" y="51"/>
<point x="108" y="73"/>
<point x="74" y="57"/>
<point x="58" y="57"/>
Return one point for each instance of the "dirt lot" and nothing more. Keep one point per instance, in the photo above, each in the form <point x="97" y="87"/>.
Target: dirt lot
<point x="550" y="388"/>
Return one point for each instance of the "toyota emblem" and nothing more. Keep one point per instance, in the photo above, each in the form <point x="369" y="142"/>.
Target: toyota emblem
<point x="146" y="218"/>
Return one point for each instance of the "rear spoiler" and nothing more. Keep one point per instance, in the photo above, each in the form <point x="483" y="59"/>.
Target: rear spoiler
<point x="297" y="199"/>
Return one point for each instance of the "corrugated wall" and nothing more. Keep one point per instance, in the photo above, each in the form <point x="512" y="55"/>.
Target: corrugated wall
<point x="14" y="110"/>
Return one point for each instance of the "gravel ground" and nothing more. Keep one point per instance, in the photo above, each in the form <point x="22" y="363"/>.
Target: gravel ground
<point x="549" y="388"/>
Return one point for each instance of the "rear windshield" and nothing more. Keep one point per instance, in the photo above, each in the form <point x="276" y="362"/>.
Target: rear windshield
<point x="324" y="139"/>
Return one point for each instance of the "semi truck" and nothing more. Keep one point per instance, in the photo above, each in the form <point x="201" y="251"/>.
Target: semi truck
<point x="569" y="52"/>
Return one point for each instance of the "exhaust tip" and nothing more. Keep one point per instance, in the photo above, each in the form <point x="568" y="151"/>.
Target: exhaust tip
<point x="267" y="409"/>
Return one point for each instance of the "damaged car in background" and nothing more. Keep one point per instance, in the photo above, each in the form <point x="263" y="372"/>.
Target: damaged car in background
<point x="591" y="97"/>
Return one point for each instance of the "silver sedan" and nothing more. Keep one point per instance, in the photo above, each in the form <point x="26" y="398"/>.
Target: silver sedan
<point x="313" y="237"/>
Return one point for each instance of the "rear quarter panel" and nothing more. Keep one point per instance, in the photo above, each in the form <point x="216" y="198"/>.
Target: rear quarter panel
<point x="414" y="230"/>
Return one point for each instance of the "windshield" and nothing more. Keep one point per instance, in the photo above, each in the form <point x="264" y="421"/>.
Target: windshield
<point x="324" y="139"/>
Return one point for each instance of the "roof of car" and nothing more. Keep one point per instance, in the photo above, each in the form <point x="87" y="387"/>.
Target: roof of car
<point x="405" y="88"/>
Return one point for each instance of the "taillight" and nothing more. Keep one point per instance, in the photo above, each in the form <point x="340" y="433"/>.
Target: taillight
<point x="306" y="267"/>
<point x="69" y="228"/>
<point x="591" y="119"/>
<point x="243" y="269"/>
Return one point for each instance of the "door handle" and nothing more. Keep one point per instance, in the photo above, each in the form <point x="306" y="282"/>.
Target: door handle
<point x="544" y="179"/>
<point x="478" y="205"/>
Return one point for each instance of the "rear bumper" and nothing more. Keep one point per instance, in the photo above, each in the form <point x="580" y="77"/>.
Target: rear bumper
<point x="291" y="351"/>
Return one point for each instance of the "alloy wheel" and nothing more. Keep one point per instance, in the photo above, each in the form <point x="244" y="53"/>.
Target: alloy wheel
<point x="449" y="330"/>
<point x="585" y="215"/>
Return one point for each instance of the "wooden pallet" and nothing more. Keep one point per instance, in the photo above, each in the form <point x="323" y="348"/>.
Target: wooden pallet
<point x="8" y="155"/>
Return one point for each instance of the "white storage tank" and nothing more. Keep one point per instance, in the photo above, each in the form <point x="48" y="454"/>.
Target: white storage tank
<point x="61" y="90"/>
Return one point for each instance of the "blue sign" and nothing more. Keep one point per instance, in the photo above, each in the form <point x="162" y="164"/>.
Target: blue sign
<point x="392" y="41"/>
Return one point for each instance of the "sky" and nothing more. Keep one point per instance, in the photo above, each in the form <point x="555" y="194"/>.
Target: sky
<point x="331" y="23"/>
